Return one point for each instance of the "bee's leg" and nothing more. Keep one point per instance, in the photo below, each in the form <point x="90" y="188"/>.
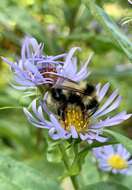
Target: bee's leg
<point x="92" y="106"/>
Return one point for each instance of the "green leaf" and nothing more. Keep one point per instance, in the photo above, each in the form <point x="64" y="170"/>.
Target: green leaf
<point x="121" y="139"/>
<point x="48" y="169"/>
<point x="53" y="152"/>
<point x="77" y="163"/>
<point x="105" y="186"/>
<point x="6" y="184"/>
<point x="24" y="176"/>
<point x="125" y="180"/>
<point x="89" y="168"/>
<point x="112" y="29"/>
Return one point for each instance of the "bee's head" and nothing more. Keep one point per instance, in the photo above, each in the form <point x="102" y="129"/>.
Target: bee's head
<point x="58" y="95"/>
<point x="89" y="90"/>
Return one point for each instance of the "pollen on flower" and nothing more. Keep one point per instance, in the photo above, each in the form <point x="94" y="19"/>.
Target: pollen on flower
<point x="117" y="162"/>
<point x="74" y="116"/>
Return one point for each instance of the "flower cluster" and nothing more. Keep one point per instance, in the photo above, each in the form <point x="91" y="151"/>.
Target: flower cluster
<point x="80" y="115"/>
<point x="65" y="109"/>
<point x="87" y="127"/>
<point x="114" y="158"/>
<point x="35" y="69"/>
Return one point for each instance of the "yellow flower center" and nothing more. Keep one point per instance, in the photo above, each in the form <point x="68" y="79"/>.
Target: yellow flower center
<point x="74" y="116"/>
<point x="117" y="162"/>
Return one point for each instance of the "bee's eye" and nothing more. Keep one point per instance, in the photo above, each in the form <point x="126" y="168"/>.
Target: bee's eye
<point x="89" y="89"/>
<point x="58" y="95"/>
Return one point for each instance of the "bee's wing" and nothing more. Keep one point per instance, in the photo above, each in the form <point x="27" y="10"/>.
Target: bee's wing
<point x="59" y="76"/>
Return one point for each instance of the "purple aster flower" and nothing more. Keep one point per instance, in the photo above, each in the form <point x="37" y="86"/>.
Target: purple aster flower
<point x="114" y="158"/>
<point x="75" y="120"/>
<point x="34" y="68"/>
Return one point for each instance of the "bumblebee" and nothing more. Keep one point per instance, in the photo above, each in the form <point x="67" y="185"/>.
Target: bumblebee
<point x="69" y="98"/>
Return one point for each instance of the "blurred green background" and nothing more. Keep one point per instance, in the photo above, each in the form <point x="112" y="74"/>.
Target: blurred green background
<point x="60" y="24"/>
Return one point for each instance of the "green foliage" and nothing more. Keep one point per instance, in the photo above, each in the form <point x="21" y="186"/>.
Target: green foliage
<point x="7" y="184"/>
<point x="104" y="186"/>
<point x="22" y="176"/>
<point x="53" y="152"/>
<point x="112" y="28"/>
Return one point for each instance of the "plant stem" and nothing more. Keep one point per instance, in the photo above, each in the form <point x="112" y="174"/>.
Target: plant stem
<point x="66" y="163"/>
<point x="75" y="182"/>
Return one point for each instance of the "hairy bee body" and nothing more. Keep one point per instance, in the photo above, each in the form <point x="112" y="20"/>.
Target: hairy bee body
<point x="85" y="99"/>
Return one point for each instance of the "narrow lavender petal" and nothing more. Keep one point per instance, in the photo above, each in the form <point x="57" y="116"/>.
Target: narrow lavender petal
<point x="98" y="86"/>
<point x="74" y="132"/>
<point x="104" y="165"/>
<point x="79" y="78"/>
<point x="32" y="68"/>
<point x="126" y="171"/>
<point x="14" y="66"/>
<point x="58" y="56"/>
<point x="71" y="69"/>
<point x="40" y="114"/>
<point x="120" y="148"/>
<point x="103" y="92"/>
<point x="101" y="139"/>
<point x="107" y="103"/>
<point x="68" y="68"/>
<point x="122" y="151"/>
<point x="122" y="115"/>
<point x="114" y="171"/>
<point x="38" y="49"/>
<point x="26" y="51"/>
<point x="70" y="55"/>
<point x="105" y="168"/>
<point x="83" y="136"/>
<point x="34" y="107"/>
<point x="99" y="154"/>
<point x="20" y="65"/>
<point x="57" y="125"/>
<point x="108" y="150"/>
<point x="30" y="117"/>
<point x="117" y="119"/>
<point x="44" y="105"/>
<point x="114" y="106"/>
<point x="74" y="62"/>
<point x="84" y="68"/>
<point x="23" y="82"/>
